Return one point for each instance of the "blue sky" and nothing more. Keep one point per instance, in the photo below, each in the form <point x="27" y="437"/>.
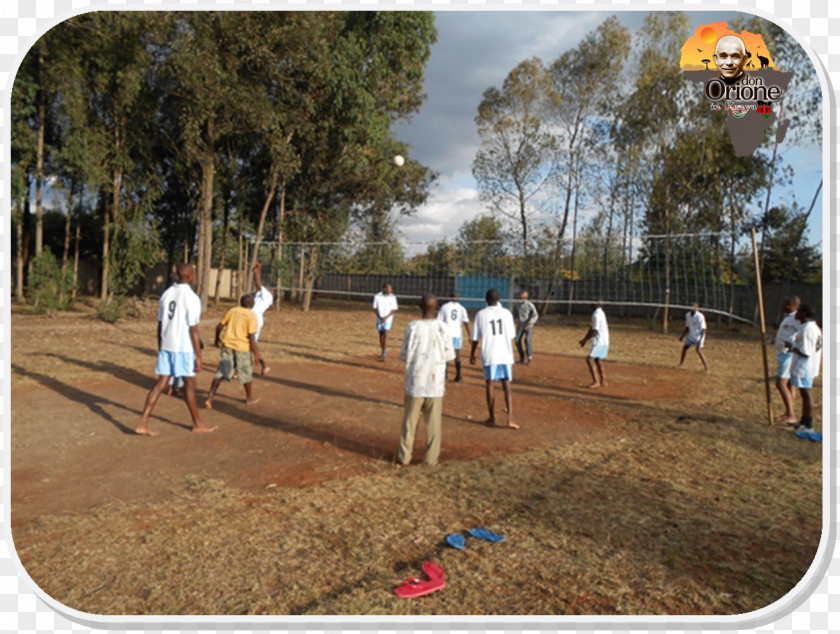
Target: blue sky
<point x="476" y="50"/>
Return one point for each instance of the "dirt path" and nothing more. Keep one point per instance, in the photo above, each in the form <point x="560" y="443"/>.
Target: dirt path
<point x="319" y="418"/>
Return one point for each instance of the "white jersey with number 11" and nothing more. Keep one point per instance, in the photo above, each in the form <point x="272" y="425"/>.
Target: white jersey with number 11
<point x="494" y="327"/>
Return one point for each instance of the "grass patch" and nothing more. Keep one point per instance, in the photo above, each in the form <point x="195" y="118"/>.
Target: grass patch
<point x="614" y="527"/>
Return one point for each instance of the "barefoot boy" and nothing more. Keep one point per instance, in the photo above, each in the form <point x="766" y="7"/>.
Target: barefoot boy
<point x="240" y="326"/>
<point x="385" y="307"/>
<point x="426" y="348"/>
<point x="454" y="316"/>
<point x="787" y="329"/>
<point x="599" y="332"/>
<point x="179" y="347"/>
<point x="695" y="328"/>
<point x="807" y="351"/>
<point x="263" y="298"/>
<point x="494" y="327"/>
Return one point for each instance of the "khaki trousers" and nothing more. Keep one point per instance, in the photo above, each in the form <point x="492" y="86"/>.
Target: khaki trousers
<point x="432" y="409"/>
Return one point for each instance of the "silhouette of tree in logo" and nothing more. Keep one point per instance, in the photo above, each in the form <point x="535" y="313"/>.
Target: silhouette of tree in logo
<point x="706" y="62"/>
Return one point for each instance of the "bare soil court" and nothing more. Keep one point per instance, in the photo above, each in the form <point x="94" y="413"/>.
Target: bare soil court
<point x="665" y="492"/>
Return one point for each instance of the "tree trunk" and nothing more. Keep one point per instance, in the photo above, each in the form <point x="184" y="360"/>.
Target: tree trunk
<point x="65" y="256"/>
<point x="76" y="261"/>
<point x="67" y="227"/>
<point x="239" y="257"/>
<point x="205" y="231"/>
<point x="106" y="246"/>
<point x="19" y="258"/>
<point x="26" y="231"/>
<point x="310" y="280"/>
<point x="732" y="236"/>
<point x="526" y="269"/>
<point x="666" y="311"/>
<point x="39" y="161"/>
<point x="275" y="178"/>
<point x="574" y="241"/>
<point x="116" y="218"/>
<point x="223" y="252"/>
<point x="302" y="263"/>
<point x="280" y="237"/>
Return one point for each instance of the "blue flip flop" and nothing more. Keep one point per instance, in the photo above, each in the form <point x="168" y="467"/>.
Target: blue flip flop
<point x="816" y="436"/>
<point x="483" y="533"/>
<point x="456" y="540"/>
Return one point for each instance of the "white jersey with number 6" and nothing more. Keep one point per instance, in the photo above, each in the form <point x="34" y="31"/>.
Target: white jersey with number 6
<point x="453" y="314"/>
<point x="494" y="327"/>
<point x="179" y="309"/>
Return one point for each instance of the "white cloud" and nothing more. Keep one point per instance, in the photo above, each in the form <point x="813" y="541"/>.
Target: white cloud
<point x="443" y="214"/>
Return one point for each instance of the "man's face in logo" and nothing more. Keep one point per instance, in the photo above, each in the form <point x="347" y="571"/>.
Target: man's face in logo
<point x="730" y="56"/>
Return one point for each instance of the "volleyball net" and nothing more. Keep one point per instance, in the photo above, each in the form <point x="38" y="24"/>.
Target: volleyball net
<point x="639" y="277"/>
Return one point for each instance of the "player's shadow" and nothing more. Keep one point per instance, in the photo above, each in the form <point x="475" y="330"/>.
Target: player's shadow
<point x="120" y="372"/>
<point x="327" y="391"/>
<point x="373" y="447"/>
<point x="375" y="364"/>
<point x="141" y="349"/>
<point x="95" y="404"/>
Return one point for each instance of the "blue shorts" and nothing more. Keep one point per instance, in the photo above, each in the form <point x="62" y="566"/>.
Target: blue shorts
<point x="689" y="343"/>
<point x="498" y="372"/>
<point x="175" y="363"/>
<point x="383" y="326"/>
<point x="456" y="343"/>
<point x="802" y="381"/>
<point x="784" y="361"/>
<point x="600" y="351"/>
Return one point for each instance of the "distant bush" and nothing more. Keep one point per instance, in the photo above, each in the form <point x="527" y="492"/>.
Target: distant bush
<point x="118" y="307"/>
<point x="49" y="289"/>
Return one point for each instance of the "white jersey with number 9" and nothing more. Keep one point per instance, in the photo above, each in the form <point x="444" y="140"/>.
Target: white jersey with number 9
<point x="179" y="309"/>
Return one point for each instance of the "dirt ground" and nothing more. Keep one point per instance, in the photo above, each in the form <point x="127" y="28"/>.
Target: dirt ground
<point x="329" y="410"/>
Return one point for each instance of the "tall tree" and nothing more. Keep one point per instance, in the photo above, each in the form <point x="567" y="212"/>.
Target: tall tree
<point x="367" y="73"/>
<point x="514" y="162"/>
<point x="586" y="82"/>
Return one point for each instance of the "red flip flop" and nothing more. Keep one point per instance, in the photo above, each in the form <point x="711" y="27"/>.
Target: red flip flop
<point x="433" y="571"/>
<point x="414" y="587"/>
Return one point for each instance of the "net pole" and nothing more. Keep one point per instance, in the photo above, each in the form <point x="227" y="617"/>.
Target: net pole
<point x="763" y="329"/>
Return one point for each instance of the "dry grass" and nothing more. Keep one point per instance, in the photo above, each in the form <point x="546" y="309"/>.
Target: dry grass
<point x="693" y="508"/>
<point x="627" y="526"/>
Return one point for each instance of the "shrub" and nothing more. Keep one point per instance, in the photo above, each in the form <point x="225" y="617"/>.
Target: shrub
<point x="49" y="289"/>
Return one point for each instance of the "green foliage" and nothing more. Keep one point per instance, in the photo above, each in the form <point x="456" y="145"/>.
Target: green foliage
<point x="116" y="308"/>
<point x="787" y="256"/>
<point x="440" y="259"/>
<point x="479" y="241"/>
<point x="49" y="288"/>
<point x="135" y="248"/>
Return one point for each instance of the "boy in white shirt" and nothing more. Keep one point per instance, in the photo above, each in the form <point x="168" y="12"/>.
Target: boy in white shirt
<point x="426" y="348"/>
<point x="494" y="327"/>
<point x="263" y="298"/>
<point x="456" y="319"/>
<point x="784" y="357"/>
<point x="695" y="328"/>
<point x="599" y="332"/>
<point x="179" y="348"/>
<point x="807" y="352"/>
<point x="384" y="306"/>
